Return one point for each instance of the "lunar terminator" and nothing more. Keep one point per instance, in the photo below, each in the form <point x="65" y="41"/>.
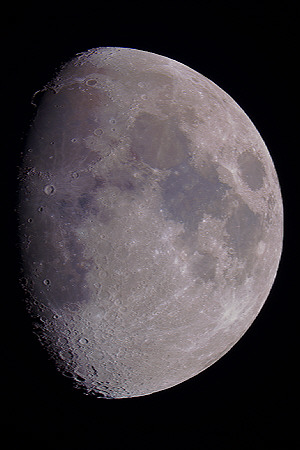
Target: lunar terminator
<point x="150" y="222"/>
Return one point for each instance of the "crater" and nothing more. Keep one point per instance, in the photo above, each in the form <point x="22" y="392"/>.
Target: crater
<point x="252" y="170"/>
<point x="91" y="82"/>
<point x="159" y="143"/>
<point x="49" y="189"/>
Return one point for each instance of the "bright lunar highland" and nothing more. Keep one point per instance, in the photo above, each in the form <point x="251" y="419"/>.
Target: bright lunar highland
<point x="150" y="222"/>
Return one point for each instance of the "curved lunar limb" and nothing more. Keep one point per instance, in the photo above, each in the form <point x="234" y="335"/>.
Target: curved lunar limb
<point x="150" y="222"/>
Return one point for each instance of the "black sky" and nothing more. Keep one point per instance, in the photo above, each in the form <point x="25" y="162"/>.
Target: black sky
<point x="247" y="399"/>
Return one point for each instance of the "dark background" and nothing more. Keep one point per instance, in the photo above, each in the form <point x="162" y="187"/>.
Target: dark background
<point x="248" y="399"/>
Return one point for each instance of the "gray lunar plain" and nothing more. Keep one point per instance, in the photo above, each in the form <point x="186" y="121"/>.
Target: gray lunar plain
<point x="150" y="222"/>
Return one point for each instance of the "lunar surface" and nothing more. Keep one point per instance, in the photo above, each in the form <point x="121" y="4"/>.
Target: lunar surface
<point x="150" y="222"/>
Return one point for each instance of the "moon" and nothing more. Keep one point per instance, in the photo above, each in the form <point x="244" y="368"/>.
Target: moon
<point x="150" y="222"/>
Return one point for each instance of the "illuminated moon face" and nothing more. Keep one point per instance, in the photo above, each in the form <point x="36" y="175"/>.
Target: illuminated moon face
<point x="150" y="221"/>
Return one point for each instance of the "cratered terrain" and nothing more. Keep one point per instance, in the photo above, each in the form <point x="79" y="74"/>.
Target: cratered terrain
<point x="150" y="222"/>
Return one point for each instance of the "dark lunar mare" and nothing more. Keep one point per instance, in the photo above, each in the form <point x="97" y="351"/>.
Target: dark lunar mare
<point x="53" y="257"/>
<point x="188" y="194"/>
<point x="55" y="195"/>
<point x="159" y="143"/>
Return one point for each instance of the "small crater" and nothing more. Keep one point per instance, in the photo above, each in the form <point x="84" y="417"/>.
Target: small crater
<point x="66" y="355"/>
<point x="79" y="378"/>
<point x="72" y="306"/>
<point x="74" y="175"/>
<point x="49" y="189"/>
<point x="29" y="220"/>
<point x="46" y="282"/>
<point x="41" y="209"/>
<point x="91" y="82"/>
<point x="98" y="132"/>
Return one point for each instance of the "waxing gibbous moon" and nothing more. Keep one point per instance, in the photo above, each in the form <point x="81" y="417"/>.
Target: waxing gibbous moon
<point x="150" y="222"/>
